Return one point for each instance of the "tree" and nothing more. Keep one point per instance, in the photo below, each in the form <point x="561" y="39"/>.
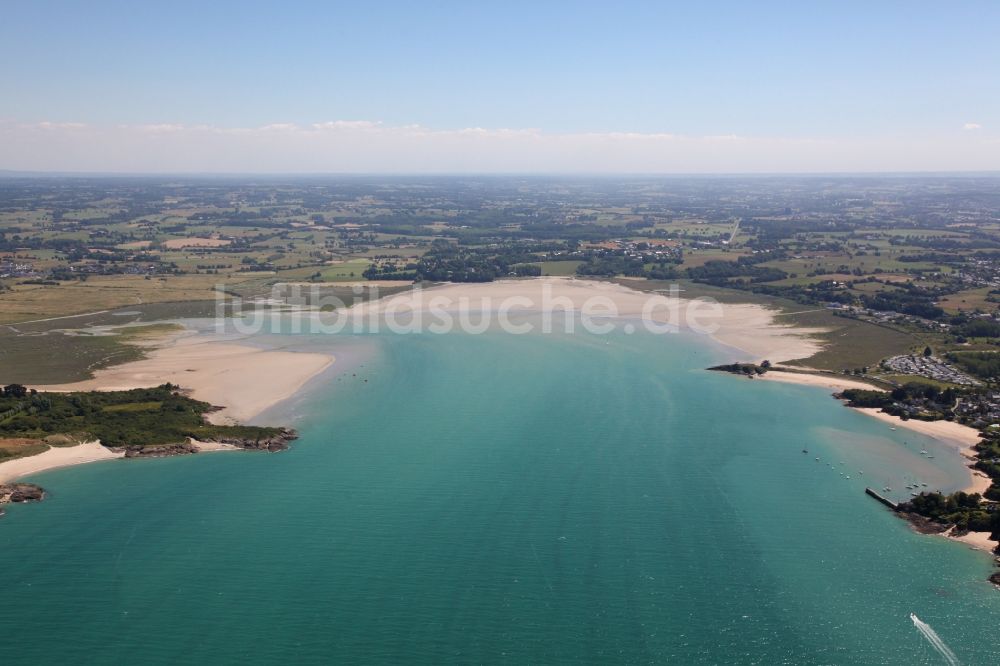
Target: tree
<point x="15" y="391"/>
<point x="927" y="351"/>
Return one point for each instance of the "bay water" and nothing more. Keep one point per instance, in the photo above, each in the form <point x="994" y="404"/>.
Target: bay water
<point x="504" y="498"/>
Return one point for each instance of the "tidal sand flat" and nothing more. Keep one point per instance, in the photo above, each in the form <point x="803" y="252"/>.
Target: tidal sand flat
<point x="752" y="329"/>
<point x="243" y="379"/>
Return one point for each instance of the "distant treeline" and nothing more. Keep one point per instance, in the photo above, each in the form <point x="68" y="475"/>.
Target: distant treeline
<point x="982" y="364"/>
<point x="932" y="403"/>
<point x="448" y="262"/>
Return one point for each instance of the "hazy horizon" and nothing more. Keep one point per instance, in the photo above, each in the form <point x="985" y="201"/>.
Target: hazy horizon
<point x="581" y="87"/>
<point x="16" y="173"/>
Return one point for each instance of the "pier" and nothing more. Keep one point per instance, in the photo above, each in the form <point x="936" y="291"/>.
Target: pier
<point x="884" y="500"/>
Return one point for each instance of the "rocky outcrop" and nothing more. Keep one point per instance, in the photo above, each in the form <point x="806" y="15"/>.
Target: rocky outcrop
<point x="163" y="451"/>
<point x="278" y="442"/>
<point x="750" y="370"/>
<point x="922" y="524"/>
<point x="15" y="493"/>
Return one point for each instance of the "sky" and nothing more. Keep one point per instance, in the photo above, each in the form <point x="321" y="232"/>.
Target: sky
<point x="597" y="87"/>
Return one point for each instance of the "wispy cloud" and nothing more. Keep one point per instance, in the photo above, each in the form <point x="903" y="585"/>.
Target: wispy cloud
<point x="972" y="126"/>
<point x="346" y="125"/>
<point x="371" y="147"/>
<point x="157" y="128"/>
<point x="48" y="125"/>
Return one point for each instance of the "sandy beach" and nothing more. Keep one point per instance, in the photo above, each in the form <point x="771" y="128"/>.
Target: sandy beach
<point x="244" y="380"/>
<point x="949" y="431"/>
<point x="976" y="540"/>
<point x="831" y="382"/>
<point x="55" y="457"/>
<point x="206" y="447"/>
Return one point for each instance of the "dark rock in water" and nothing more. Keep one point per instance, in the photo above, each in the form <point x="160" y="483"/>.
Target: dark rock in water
<point x="995" y="579"/>
<point x="16" y="493"/>
<point x="24" y="492"/>
<point x="922" y="524"/>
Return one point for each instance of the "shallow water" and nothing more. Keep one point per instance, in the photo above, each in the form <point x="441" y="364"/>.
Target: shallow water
<point x="500" y="498"/>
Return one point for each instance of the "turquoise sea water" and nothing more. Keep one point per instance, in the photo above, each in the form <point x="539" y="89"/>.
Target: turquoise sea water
<point x="505" y="499"/>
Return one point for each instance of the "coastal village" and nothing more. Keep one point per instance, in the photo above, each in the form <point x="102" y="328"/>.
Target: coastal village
<point x="930" y="367"/>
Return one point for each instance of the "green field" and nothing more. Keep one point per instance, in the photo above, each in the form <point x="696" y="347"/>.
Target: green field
<point x="558" y="268"/>
<point x="56" y="356"/>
